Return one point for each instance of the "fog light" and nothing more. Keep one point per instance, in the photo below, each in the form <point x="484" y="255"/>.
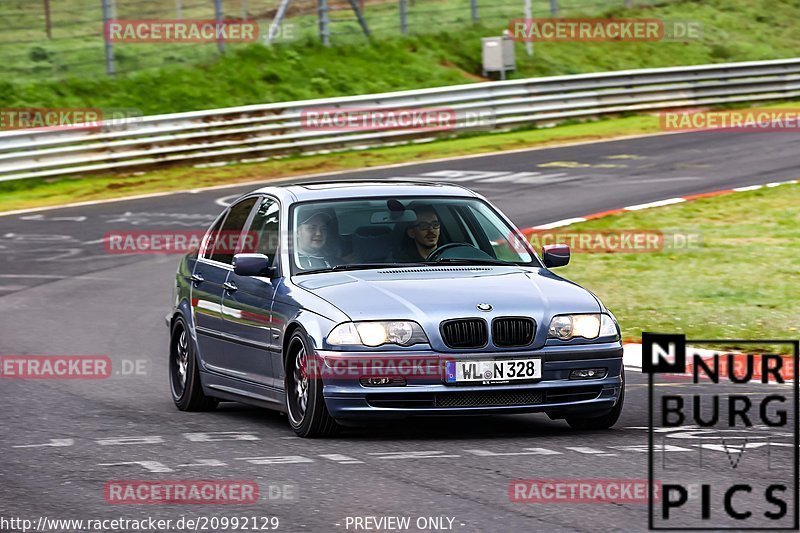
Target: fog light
<point x="588" y="373"/>
<point x="382" y="382"/>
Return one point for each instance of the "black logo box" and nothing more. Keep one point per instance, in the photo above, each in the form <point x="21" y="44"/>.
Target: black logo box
<point x="675" y="344"/>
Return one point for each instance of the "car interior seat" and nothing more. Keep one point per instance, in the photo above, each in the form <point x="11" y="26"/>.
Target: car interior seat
<point x="372" y="244"/>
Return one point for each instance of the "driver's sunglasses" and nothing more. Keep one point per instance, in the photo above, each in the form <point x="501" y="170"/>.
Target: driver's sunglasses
<point x="425" y="226"/>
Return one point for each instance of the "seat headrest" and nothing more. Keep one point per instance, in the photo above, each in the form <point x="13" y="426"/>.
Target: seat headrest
<point x="372" y="243"/>
<point x="373" y="231"/>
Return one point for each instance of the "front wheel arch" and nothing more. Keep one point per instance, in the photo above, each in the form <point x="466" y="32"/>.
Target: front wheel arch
<point x="287" y="338"/>
<point x="315" y="420"/>
<point x="191" y="396"/>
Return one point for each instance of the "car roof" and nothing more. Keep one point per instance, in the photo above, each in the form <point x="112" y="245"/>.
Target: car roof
<point x="343" y="189"/>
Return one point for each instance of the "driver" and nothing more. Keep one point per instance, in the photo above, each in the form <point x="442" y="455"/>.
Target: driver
<point x="312" y="236"/>
<point x="423" y="236"/>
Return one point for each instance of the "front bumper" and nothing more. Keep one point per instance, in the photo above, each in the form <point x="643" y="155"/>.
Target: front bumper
<point x="555" y="394"/>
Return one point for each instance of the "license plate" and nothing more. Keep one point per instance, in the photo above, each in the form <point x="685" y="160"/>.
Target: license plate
<point x="493" y="371"/>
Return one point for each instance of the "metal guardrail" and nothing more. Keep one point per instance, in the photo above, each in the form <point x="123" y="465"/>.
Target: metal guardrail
<point x="253" y="133"/>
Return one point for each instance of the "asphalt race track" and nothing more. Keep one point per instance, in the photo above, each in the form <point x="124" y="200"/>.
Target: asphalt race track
<point x="62" y="294"/>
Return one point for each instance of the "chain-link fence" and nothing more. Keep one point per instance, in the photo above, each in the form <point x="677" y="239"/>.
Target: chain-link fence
<point x="46" y="39"/>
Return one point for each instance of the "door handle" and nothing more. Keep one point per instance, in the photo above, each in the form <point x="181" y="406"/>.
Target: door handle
<point x="230" y="286"/>
<point x="197" y="278"/>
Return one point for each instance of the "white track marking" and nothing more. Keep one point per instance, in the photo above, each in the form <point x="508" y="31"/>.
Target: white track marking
<point x="462" y="175"/>
<point x="559" y="223"/>
<point x="53" y="219"/>
<point x="643" y="448"/>
<point x="412" y="455"/>
<point x="341" y="459"/>
<point x="659" y="203"/>
<point x="56" y="443"/>
<point x="206" y="462"/>
<point x="123" y="441"/>
<point x="276" y="460"/>
<point x="511" y="177"/>
<point x="97" y="241"/>
<point x="150" y="466"/>
<point x="528" y="451"/>
<point x="748" y="188"/>
<point x="220" y="436"/>
<point x="530" y="178"/>
<point x="225" y="201"/>
<point x="590" y="451"/>
<point x="39" y="237"/>
<point x="548" y="179"/>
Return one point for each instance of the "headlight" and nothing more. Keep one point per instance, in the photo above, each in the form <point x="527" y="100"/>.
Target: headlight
<point x="566" y="327"/>
<point x="372" y="334"/>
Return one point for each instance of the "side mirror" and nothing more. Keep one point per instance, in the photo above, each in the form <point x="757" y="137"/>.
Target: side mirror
<point x="252" y="265"/>
<point x="556" y="255"/>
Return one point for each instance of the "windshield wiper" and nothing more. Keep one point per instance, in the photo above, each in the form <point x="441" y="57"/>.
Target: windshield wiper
<point x="358" y="266"/>
<point x="471" y="262"/>
<point x="369" y="266"/>
<point x="361" y="266"/>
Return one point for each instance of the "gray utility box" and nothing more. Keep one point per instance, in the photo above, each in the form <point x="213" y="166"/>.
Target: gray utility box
<point x="498" y="55"/>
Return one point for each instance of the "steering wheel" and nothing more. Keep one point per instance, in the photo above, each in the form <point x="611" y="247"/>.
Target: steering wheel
<point x="437" y="253"/>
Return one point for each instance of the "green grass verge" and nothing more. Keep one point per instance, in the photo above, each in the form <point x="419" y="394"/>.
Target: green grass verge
<point x="741" y="283"/>
<point x="733" y="30"/>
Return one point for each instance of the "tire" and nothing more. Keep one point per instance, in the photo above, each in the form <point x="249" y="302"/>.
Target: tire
<point x="184" y="376"/>
<point x="305" y="405"/>
<point x="604" y="421"/>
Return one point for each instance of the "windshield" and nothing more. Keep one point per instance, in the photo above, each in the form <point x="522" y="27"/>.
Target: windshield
<point x="371" y="233"/>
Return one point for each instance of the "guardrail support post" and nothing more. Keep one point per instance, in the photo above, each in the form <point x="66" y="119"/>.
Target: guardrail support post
<point x="219" y="16"/>
<point x="473" y="9"/>
<point x="110" y="67"/>
<point x="554" y="8"/>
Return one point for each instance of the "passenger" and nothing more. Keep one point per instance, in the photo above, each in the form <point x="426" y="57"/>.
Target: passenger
<point x="422" y="236"/>
<point x="312" y="238"/>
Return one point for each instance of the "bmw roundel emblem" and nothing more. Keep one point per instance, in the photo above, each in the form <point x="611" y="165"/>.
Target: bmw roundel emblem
<point x="484" y="307"/>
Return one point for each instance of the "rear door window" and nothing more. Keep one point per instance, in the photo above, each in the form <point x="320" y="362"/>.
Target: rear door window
<point x="264" y="229"/>
<point x="229" y="237"/>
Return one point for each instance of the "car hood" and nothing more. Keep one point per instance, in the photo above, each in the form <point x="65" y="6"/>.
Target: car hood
<point x="429" y="295"/>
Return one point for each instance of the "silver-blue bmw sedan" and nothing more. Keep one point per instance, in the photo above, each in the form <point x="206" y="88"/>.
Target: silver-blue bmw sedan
<point x="339" y="303"/>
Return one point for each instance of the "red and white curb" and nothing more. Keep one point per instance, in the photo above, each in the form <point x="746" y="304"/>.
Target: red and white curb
<point x="659" y="203"/>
